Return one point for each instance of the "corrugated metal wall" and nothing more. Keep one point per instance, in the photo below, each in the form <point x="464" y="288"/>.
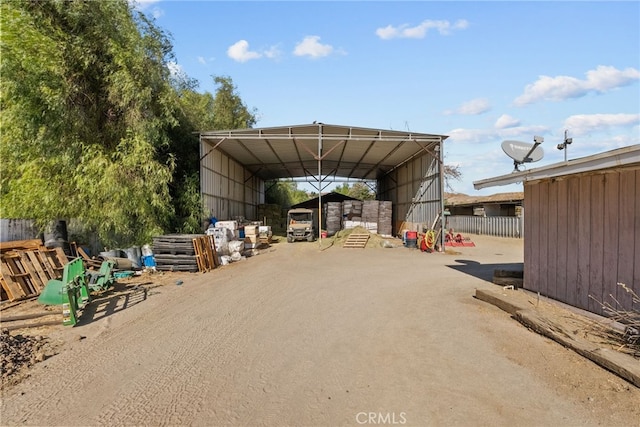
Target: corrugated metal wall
<point x="500" y="226"/>
<point x="582" y="237"/>
<point x="415" y="191"/>
<point x="17" y="229"/>
<point x="228" y="189"/>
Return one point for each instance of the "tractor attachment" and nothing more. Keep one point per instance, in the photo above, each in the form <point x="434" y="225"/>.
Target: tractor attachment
<point x="73" y="292"/>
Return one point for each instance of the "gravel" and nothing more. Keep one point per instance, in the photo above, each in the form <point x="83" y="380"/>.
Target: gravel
<point x="18" y="352"/>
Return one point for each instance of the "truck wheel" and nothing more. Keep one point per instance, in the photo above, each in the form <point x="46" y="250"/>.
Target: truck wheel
<point x="289" y="239"/>
<point x="311" y="238"/>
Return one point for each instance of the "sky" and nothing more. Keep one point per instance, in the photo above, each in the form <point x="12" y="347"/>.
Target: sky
<point x="479" y="72"/>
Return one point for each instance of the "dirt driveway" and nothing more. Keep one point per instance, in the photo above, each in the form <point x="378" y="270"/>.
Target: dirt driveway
<point x="303" y="337"/>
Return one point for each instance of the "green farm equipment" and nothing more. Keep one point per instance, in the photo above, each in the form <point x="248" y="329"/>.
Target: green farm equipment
<point x="73" y="292"/>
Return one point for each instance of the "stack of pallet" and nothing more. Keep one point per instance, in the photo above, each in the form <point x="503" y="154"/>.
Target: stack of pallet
<point x="175" y="252"/>
<point x="26" y="266"/>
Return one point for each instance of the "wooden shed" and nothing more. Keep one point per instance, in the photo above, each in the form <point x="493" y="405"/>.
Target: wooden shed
<point x="582" y="233"/>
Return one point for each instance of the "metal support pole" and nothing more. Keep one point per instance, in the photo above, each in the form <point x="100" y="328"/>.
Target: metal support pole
<point x="320" y="185"/>
<point x="442" y="220"/>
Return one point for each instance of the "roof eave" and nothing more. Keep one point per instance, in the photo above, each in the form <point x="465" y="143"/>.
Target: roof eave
<point x="611" y="159"/>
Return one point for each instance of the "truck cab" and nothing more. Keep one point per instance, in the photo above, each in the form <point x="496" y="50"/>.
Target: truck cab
<point x="300" y="225"/>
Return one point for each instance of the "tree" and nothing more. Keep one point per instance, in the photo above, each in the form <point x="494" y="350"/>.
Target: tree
<point x="451" y="172"/>
<point x="229" y="112"/>
<point x="86" y="104"/>
<point x="199" y="112"/>
<point x="358" y="190"/>
<point x="285" y="193"/>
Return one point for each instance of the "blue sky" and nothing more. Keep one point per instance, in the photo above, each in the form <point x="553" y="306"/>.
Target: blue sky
<point x="480" y="72"/>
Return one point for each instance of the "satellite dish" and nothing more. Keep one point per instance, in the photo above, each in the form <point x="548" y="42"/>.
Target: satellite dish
<point x="522" y="152"/>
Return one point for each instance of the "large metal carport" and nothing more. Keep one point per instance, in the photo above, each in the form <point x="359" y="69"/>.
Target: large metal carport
<point x="407" y="166"/>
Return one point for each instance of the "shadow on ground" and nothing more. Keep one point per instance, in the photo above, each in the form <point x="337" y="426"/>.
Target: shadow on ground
<point x="484" y="271"/>
<point x="116" y="299"/>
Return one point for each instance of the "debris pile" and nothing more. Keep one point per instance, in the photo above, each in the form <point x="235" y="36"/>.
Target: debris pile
<point x="629" y="340"/>
<point x="19" y="351"/>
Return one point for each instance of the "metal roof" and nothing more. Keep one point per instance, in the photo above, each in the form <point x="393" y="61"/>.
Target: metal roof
<point x="466" y="200"/>
<point x="621" y="157"/>
<point x="345" y="151"/>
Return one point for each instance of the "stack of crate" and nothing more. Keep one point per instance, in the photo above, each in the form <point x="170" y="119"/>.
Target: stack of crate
<point x="264" y="234"/>
<point x="251" y="237"/>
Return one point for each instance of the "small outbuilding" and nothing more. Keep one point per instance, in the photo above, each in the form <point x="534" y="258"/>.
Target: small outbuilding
<point x="582" y="232"/>
<point x="501" y="204"/>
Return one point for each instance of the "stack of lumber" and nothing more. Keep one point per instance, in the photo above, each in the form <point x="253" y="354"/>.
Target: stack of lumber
<point x="175" y="252"/>
<point x="26" y="266"/>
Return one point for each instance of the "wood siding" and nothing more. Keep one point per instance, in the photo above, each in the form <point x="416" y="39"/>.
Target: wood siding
<point x="582" y="237"/>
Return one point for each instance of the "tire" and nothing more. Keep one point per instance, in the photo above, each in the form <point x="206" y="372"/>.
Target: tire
<point x="289" y="239"/>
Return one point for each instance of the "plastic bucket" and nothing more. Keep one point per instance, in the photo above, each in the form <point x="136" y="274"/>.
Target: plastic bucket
<point x="411" y="240"/>
<point x="148" y="261"/>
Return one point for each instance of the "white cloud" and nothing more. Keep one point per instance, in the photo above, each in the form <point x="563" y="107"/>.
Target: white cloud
<point x="485" y="136"/>
<point x="462" y="135"/>
<point x="311" y="46"/>
<point x="420" y="31"/>
<point x="472" y="107"/>
<point x="559" y="88"/>
<point x="583" y="124"/>
<point x="273" y="52"/>
<point x="506" y="121"/>
<point x="240" y="52"/>
<point x="144" y="5"/>
<point x="202" y="60"/>
<point x="175" y="69"/>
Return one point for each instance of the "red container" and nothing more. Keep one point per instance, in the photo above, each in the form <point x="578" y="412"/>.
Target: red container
<point x="412" y="235"/>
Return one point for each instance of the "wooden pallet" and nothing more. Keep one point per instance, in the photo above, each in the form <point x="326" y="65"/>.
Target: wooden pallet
<point x="356" y="240"/>
<point x="206" y="256"/>
<point x="26" y="266"/>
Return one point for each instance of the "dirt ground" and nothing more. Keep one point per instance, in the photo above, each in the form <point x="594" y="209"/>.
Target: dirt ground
<point x="308" y="337"/>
